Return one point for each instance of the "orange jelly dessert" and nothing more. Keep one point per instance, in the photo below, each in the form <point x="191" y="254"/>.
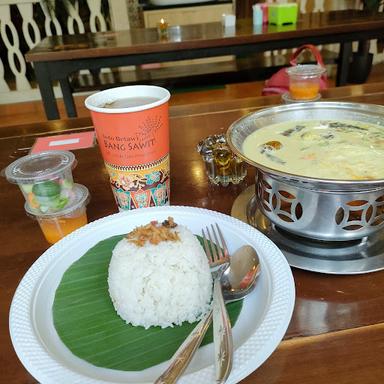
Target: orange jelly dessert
<point x="56" y="225"/>
<point x="56" y="228"/>
<point x="305" y="90"/>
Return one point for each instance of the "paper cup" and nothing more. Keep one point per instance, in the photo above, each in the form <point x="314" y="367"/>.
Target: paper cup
<point x="132" y="129"/>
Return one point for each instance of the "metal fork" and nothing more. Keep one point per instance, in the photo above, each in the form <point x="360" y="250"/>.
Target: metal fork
<point x="218" y="256"/>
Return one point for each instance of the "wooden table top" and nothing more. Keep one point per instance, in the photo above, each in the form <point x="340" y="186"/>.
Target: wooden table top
<point x="199" y="36"/>
<point x="336" y="334"/>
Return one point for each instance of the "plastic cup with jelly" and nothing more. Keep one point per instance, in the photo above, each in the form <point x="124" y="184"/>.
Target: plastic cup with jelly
<point x="56" y="225"/>
<point x="45" y="180"/>
<point x="304" y="81"/>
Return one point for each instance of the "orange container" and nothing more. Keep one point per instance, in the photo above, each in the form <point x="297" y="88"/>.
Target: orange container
<point x="132" y="129"/>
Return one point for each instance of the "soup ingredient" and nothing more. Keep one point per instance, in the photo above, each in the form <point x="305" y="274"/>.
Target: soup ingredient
<point x="270" y="146"/>
<point x="160" y="283"/>
<point x="329" y="149"/>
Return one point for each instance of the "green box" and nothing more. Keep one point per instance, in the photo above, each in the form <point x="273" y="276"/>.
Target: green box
<point x="280" y="14"/>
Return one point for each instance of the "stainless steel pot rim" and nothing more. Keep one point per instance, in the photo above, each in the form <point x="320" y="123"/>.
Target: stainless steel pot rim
<point x="370" y="109"/>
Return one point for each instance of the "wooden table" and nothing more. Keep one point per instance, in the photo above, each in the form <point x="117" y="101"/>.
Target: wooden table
<point x="55" y="58"/>
<point x="336" y="334"/>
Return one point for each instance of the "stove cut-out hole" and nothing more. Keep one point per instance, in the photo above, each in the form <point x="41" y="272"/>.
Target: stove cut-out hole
<point x="274" y="201"/>
<point x="379" y="216"/>
<point x="265" y="184"/>
<point x="266" y="207"/>
<point x="285" y="218"/>
<point x="285" y="206"/>
<point x="357" y="203"/>
<point x="264" y="197"/>
<point x="368" y="213"/>
<point x="287" y="195"/>
<point x="353" y="227"/>
<point x="339" y="216"/>
<point x="298" y="211"/>
<point x="355" y="215"/>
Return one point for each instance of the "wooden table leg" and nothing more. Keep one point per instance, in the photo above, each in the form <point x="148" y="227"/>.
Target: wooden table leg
<point x="68" y="97"/>
<point x="46" y="90"/>
<point x="343" y="63"/>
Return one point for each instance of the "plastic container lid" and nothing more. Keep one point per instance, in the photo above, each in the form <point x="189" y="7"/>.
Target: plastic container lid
<point x="40" y="166"/>
<point x="306" y="70"/>
<point x="81" y="198"/>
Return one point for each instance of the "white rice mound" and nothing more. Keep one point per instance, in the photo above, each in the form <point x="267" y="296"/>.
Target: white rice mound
<point x="160" y="285"/>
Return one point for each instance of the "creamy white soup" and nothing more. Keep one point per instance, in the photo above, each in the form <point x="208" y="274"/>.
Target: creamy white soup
<point x="329" y="149"/>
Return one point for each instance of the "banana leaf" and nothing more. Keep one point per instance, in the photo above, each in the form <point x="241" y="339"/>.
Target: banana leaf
<point x="87" y="323"/>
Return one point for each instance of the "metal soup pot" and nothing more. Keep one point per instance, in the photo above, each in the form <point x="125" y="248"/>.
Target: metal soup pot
<point x="323" y="209"/>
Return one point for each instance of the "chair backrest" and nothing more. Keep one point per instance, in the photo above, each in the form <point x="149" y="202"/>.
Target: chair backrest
<point x="26" y="22"/>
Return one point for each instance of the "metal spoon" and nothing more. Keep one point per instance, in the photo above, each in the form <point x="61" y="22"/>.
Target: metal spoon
<point x="237" y="282"/>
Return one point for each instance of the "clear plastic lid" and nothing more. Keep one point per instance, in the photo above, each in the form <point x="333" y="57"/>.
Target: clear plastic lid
<point x="80" y="198"/>
<point x="306" y="70"/>
<point x="40" y="166"/>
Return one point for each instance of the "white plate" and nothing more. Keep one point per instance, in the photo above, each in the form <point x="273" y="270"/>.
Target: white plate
<point x="261" y="325"/>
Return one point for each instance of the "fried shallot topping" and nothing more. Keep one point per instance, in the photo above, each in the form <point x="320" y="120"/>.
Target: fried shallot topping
<point x="154" y="233"/>
<point x="169" y="223"/>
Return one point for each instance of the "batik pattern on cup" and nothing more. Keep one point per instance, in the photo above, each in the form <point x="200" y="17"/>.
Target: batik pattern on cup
<point x="141" y="186"/>
<point x="134" y="143"/>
